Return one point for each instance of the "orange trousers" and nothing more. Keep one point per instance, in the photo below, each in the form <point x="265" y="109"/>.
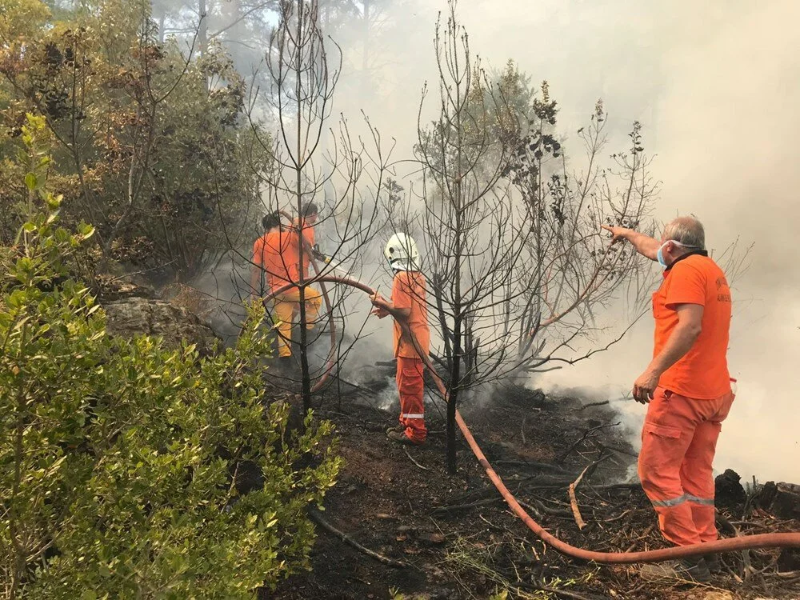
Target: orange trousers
<point x="679" y="439"/>
<point x="411" y="388"/>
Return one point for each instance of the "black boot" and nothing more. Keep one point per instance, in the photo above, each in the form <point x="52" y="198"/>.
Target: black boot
<point x="713" y="563"/>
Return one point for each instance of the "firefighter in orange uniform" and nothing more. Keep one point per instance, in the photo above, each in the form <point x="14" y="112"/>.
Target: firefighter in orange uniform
<point x="258" y="286"/>
<point x="687" y="388"/>
<point x="276" y="253"/>
<point x="408" y="300"/>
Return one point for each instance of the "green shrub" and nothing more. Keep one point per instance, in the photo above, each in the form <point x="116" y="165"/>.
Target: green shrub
<point x="118" y="458"/>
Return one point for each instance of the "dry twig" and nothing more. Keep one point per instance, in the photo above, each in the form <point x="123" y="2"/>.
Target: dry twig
<point x="317" y="518"/>
<point x="530" y="464"/>
<point x="456" y="507"/>
<point x="585" y="406"/>
<point x="645" y="533"/>
<point x="585" y="436"/>
<point x="573" y="502"/>
<point x="411" y="458"/>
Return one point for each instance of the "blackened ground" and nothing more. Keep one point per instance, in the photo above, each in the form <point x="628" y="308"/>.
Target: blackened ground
<point x="459" y="539"/>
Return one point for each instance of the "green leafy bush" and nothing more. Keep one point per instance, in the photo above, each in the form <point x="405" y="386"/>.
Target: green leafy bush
<point x="121" y="461"/>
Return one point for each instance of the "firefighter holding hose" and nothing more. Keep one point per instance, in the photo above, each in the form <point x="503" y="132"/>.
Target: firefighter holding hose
<point x="277" y="255"/>
<point x="408" y="302"/>
<point x="687" y="388"/>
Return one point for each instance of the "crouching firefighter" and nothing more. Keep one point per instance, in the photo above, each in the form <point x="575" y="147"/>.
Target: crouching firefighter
<point x="408" y="302"/>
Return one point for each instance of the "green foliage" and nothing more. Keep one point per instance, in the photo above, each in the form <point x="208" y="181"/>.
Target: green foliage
<point x="150" y="136"/>
<point x="121" y="462"/>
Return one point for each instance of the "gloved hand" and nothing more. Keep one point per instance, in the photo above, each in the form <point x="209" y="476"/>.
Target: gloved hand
<point x="316" y="253"/>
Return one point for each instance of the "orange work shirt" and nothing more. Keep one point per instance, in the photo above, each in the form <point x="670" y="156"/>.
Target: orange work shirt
<point x="276" y="253"/>
<point x="702" y="372"/>
<point x="408" y="291"/>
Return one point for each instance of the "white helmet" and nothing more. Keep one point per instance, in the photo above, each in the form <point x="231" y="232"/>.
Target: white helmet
<point x="401" y="252"/>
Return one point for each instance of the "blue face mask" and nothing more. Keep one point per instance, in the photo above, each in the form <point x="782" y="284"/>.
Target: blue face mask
<point x="660" y="254"/>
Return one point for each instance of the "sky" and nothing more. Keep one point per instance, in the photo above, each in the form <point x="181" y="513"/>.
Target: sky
<point x="717" y="88"/>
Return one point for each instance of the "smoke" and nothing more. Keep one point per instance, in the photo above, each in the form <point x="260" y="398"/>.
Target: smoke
<point x="727" y="99"/>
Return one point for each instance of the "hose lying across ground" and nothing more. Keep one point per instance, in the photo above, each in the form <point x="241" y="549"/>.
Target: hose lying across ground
<point x="766" y="540"/>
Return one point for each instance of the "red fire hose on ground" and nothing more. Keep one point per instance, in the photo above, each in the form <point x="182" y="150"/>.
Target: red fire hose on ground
<point x="766" y="540"/>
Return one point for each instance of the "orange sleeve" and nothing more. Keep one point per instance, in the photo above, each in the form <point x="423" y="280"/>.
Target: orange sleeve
<point x="258" y="252"/>
<point x="687" y="285"/>
<point x="401" y="291"/>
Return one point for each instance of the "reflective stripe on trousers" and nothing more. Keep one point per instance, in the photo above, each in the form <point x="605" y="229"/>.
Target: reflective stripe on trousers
<point x="411" y="388"/>
<point x="679" y="439"/>
<point x="681" y="500"/>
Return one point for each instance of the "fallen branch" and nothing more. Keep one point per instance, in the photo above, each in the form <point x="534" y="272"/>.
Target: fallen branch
<point x="618" y="517"/>
<point x="520" y="585"/>
<point x="411" y="458"/>
<point x="573" y="502"/>
<point x="597" y="488"/>
<point x="620" y="450"/>
<point x="585" y="435"/>
<point x="788" y="574"/>
<point x="538" y="507"/>
<point x="456" y="507"/>
<point x="531" y="464"/>
<point x="317" y="518"/>
<point x="564" y="593"/>
<point x="585" y="406"/>
<point x="589" y="470"/>
<point x="645" y="533"/>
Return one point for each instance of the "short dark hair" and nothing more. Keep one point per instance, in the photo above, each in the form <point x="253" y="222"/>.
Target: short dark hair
<point x="271" y="220"/>
<point x="310" y="209"/>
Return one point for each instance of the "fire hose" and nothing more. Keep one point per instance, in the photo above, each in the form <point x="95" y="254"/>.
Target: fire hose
<point x="747" y="542"/>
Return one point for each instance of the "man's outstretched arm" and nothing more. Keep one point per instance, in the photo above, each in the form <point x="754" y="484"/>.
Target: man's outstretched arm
<point x="644" y="244"/>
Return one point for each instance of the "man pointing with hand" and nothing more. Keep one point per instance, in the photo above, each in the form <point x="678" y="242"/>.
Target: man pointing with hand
<point x="687" y="388"/>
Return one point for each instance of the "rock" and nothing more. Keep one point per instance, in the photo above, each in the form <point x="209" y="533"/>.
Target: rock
<point x="767" y="495"/>
<point x="143" y="316"/>
<point x="786" y="504"/>
<point x="729" y="491"/>
<point x="782" y="499"/>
